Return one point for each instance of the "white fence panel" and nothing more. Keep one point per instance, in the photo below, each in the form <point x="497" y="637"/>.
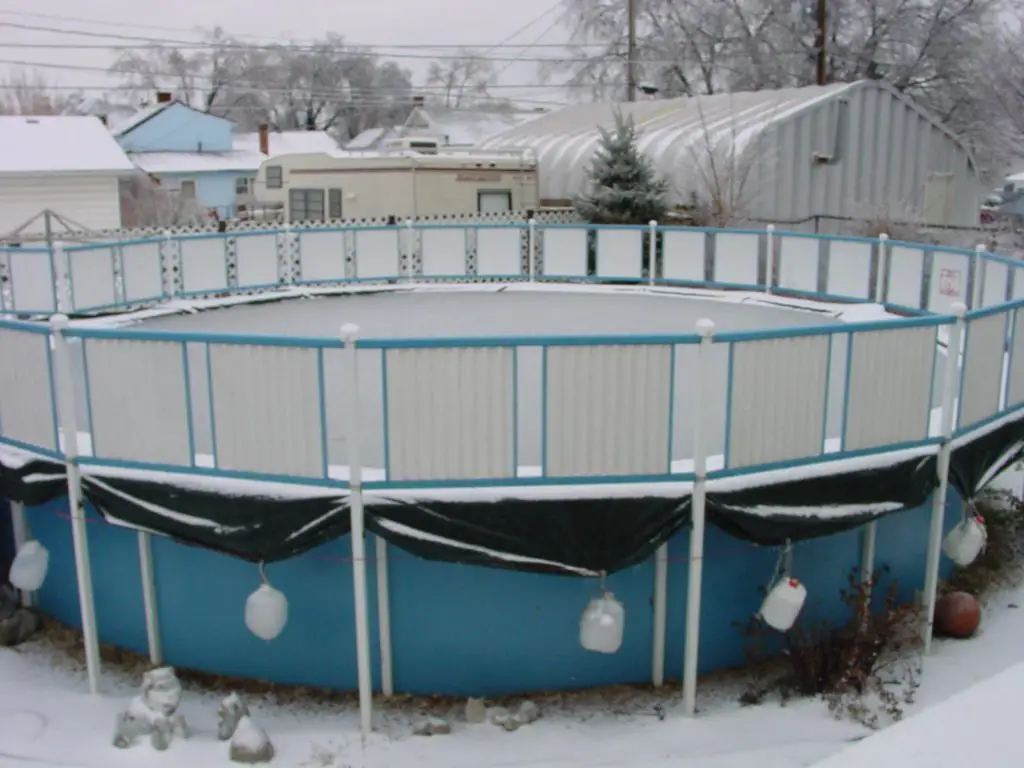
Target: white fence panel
<point x="607" y="410"/>
<point x="984" y="352"/>
<point x="620" y="253"/>
<point x="204" y="264"/>
<point x="906" y="275"/>
<point x="948" y="281"/>
<point x="798" y="263"/>
<point x="499" y="252"/>
<point x="565" y="252"/>
<point x="378" y="254"/>
<point x="736" y="258"/>
<point x="322" y="255"/>
<point x="1018" y="283"/>
<point x="26" y="396"/>
<point x="1015" y="386"/>
<point x="32" y="276"/>
<point x="682" y="255"/>
<point x="849" y="269"/>
<point x="142" y="272"/>
<point x="777" y="400"/>
<point x="93" y="284"/>
<point x="443" y="252"/>
<point x="266" y="410"/>
<point x="138" y="401"/>
<point x="450" y="413"/>
<point x="889" y="387"/>
<point x="256" y="259"/>
<point x="997" y="277"/>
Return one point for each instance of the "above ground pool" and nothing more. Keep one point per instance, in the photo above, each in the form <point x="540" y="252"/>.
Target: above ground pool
<point x="440" y="444"/>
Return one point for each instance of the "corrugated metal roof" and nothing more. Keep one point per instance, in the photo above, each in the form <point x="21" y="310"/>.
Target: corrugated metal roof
<point x="679" y="135"/>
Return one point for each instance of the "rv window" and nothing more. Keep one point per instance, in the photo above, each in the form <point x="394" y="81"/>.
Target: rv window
<point x="334" y="204"/>
<point x="496" y="201"/>
<point x="306" y="205"/>
<point x="275" y="178"/>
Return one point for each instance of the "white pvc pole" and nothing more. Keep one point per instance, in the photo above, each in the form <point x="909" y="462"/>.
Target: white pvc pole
<point x="156" y="653"/>
<point x="706" y="329"/>
<point x="867" y="558"/>
<point x="951" y="379"/>
<point x="980" y="271"/>
<point x="660" y="614"/>
<point x="883" y="261"/>
<point x="387" y="678"/>
<point x="653" y="251"/>
<point x="349" y="334"/>
<point x="83" y="568"/>
<point x="770" y="259"/>
<point x="531" y="247"/>
<point x="19" y="527"/>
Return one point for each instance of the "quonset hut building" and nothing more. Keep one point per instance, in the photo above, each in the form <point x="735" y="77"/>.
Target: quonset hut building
<point x="852" y="150"/>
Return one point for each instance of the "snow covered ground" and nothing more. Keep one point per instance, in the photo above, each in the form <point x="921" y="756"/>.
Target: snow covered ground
<point x="47" y="719"/>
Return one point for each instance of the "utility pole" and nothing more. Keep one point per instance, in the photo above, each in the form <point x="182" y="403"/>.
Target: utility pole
<point x="631" y="51"/>
<point x="822" y="37"/>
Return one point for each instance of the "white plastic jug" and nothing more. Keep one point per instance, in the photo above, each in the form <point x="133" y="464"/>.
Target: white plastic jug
<point x="28" y="571"/>
<point x="266" y="612"/>
<point x="966" y="541"/>
<point x="602" y="623"/>
<point x="783" y="603"/>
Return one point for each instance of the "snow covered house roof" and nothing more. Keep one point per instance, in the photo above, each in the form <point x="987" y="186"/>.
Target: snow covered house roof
<point x="143" y="115"/>
<point x="286" y="142"/>
<point x="454" y="127"/>
<point x="59" y="144"/>
<point x="245" y="157"/>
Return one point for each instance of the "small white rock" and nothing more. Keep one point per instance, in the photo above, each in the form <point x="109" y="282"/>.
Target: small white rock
<point x="250" y="743"/>
<point x="527" y="713"/>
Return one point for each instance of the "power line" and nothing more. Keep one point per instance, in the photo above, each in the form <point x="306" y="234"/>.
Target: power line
<point x="505" y="43"/>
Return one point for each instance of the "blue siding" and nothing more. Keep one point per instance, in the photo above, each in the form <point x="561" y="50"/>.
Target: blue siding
<point x="180" y="129"/>
<point x="214" y="190"/>
<point x="456" y="629"/>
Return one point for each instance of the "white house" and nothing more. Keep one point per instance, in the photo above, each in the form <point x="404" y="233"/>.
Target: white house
<point x="69" y="165"/>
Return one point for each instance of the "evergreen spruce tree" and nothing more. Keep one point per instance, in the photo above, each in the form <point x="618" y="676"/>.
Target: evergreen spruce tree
<point x="625" y="189"/>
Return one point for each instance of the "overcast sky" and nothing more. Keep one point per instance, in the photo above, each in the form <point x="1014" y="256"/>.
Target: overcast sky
<point x="378" y="23"/>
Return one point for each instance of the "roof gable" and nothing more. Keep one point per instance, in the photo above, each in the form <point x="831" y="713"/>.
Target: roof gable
<point x="144" y="116"/>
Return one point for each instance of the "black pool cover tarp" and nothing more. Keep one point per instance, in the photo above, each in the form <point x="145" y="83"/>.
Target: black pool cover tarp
<point x="550" y="535"/>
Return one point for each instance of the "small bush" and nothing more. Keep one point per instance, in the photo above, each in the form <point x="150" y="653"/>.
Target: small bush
<point x="863" y="668"/>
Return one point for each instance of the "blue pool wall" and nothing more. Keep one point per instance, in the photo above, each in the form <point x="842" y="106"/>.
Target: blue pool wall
<point x="456" y="629"/>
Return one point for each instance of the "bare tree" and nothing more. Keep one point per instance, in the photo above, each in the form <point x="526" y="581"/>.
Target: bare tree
<point x="29" y="93"/>
<point x="463" y="81"/>
<point x="145" y="203"/>
<point x="324" y="86"/>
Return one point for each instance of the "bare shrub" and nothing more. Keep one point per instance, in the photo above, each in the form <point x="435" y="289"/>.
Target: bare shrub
<point x="145" y="203"/>
<point x="864" y="668"/>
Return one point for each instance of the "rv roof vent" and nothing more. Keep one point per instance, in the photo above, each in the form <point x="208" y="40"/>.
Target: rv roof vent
<point x="424" y="146"/>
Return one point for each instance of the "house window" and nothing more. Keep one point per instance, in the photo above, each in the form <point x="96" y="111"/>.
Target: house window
<point x="494" y="201"/>
<point x="275" y="178"/>
<point x="243" y="186"/>
<point x="306" y="204"/>
<point x="334" y="204"/>
<point x="188" y="190"/>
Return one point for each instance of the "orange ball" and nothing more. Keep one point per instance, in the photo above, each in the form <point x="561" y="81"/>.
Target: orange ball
<point x="957" y="614"/>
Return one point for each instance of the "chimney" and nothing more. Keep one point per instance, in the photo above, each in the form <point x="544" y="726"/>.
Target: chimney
<point x="264" y="139"/>
<point x="163" y="97"/>
<point x="419" y="101"/>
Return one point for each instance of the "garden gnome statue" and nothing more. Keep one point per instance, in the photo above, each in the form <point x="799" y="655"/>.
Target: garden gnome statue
<point x="153" y="712"/>
<point x="249" y="742"/>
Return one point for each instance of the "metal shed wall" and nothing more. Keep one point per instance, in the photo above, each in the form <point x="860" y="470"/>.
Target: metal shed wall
<point x="758" y="148"/>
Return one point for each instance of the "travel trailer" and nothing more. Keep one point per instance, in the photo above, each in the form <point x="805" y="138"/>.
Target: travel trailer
<point x="410" y="177"/>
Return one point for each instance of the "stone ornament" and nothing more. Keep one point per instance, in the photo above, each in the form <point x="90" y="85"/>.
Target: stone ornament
<point x="153" y="712"/>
